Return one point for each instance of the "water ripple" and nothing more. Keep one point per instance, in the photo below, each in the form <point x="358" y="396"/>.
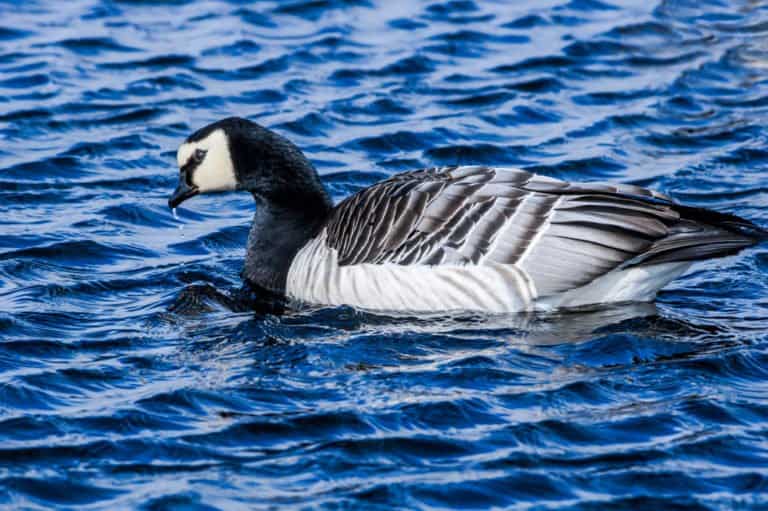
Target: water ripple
<point x="125" y="382"/>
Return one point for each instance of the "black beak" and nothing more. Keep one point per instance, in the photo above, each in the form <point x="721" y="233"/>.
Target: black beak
<point x="182" y="193"/>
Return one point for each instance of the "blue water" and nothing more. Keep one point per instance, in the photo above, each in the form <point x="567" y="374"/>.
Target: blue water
<point x="122" y="388"/>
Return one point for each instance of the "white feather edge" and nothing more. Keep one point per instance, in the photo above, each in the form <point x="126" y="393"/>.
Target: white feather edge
<point x="316" y="277"/>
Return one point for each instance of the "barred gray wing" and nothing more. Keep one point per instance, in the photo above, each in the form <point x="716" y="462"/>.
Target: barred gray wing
<point x="562" y="234"/>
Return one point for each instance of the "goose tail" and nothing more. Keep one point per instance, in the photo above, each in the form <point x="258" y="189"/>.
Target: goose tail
<point x="702" y="234"/>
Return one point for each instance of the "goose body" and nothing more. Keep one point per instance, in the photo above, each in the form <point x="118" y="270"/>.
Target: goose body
<point x="470" y="238"/>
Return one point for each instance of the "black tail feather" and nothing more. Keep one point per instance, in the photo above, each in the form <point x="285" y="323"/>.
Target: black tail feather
<point x="725" y="221"/>
<point x="702" y="234"/>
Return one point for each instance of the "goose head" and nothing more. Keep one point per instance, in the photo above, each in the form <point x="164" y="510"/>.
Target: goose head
<point x="238" y="154"/>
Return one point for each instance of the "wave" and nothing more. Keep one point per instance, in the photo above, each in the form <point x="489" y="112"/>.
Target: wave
<point x="131" y="377"/>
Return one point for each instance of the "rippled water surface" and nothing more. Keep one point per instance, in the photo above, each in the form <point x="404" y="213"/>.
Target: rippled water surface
<point x="121" y="388"/>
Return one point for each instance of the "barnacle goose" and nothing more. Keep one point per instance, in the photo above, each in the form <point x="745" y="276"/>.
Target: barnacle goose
<point x="470" y="238"/>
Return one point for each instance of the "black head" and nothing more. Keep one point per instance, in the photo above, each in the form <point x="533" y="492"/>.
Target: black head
<point x="237" y="154"/>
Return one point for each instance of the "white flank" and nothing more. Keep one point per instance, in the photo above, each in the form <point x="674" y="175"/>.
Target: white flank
<point x="639" y="284"/>
<point x="316" y="277"/>
<point x="216" y="173"/>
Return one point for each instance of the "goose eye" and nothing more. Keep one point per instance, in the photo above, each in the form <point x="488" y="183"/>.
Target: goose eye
<point x="199" y="155"/>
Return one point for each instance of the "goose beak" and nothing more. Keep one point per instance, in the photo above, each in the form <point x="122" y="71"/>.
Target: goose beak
<point x="182" y="193"/>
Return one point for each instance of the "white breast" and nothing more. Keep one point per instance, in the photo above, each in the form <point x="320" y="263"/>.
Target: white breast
<point x="316" y="277"/>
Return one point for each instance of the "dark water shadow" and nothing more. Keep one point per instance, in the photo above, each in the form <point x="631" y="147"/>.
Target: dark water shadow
<point x="243" y="311"/>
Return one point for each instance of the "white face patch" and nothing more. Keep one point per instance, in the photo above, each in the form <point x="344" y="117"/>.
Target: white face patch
<point x="216" y="173"/>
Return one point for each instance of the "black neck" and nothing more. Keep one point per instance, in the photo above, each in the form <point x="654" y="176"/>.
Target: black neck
<point x="291" y="202"/>
<point x="279" y="230"/>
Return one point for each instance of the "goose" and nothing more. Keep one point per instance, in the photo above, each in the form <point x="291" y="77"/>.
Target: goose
<point x="461" y="238"/>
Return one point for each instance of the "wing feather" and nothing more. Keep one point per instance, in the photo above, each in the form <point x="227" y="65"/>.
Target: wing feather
<point x="563" y="235"/>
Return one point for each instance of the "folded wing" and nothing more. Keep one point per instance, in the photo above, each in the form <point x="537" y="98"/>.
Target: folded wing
<point x="564" y="235"/>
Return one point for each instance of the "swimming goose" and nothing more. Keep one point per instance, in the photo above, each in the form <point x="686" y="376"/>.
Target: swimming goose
<point x="469" y="238"/>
